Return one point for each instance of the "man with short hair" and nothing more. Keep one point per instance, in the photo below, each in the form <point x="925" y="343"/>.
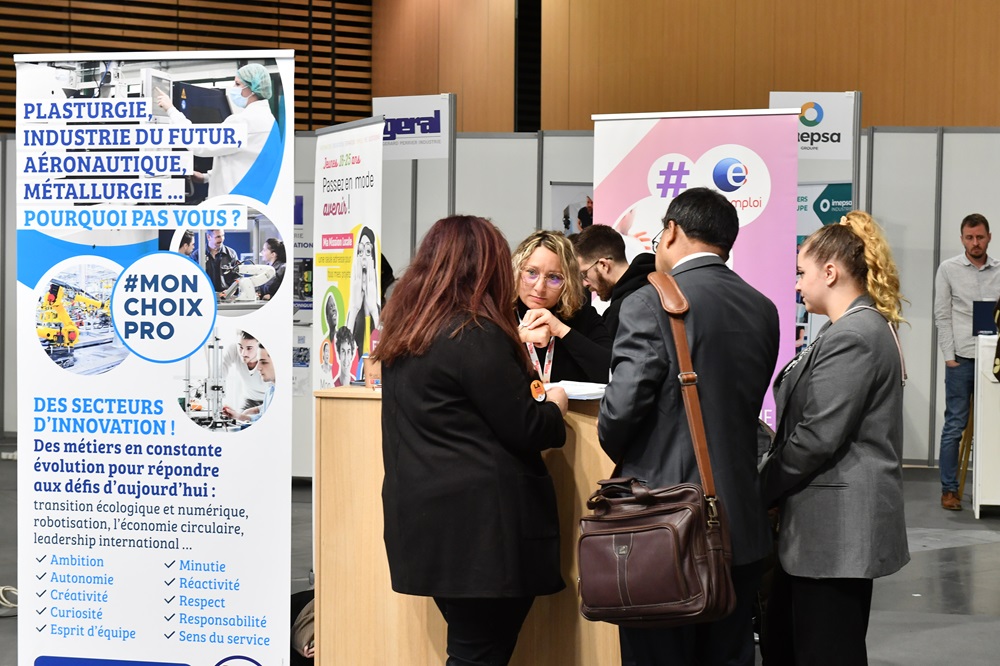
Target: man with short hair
<point x="643" y="426"/>
<point x="600" y="251"/>
<point x="218" y="258"/>
<point x="265" y="367"/>
<point x="346" y="349"/>
<point x="970" y="276"/>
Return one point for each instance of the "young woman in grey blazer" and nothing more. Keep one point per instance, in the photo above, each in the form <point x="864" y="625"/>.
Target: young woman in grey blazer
<point x="834" y="471"/>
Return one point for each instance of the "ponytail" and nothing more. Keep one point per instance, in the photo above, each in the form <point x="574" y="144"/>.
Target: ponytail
<point x="857" y="243"/>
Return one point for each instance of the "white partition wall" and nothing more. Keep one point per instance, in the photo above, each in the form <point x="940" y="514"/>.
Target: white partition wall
<point x="397" y="207"/>
<point x="497" y="178"/>
<point x="567" y="157"/>
<point x="904" y="200"/>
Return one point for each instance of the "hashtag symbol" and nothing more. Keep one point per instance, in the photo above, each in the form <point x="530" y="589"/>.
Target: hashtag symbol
<point x="130" y="283"/>
<point x="673" y="179"/>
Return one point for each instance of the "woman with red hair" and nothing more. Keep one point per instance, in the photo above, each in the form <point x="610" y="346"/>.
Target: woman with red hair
<point x="469" y="507"/>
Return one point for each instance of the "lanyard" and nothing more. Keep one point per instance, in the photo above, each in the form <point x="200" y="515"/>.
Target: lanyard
<point x="549" y="355"/>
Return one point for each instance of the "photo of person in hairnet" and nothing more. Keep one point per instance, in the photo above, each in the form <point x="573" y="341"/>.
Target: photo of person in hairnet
<point x="248" y="96"/>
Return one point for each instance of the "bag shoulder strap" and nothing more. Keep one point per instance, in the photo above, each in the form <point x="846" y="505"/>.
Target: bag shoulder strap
<point x="676" y="305"/>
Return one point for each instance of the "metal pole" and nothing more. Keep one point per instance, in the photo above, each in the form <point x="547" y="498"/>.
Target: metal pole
<point x="538" y="195"/>
<point x="413" y="208"/>
<point x="452" y="105"/>
<point x="938" y="181"/>
<point x="856" y="158"/>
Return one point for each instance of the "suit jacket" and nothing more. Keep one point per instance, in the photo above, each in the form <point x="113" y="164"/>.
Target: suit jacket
<point x="469" y="507"/>
<point x="733" y="335"/>
<point x="836" y="467"/>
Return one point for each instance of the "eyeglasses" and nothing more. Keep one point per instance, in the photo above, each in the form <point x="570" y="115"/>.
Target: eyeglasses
<point x="529" y="276"/>
<point x="656" y="240"/>
<point x="584" y="274"/>
<point x="365" y="249"/>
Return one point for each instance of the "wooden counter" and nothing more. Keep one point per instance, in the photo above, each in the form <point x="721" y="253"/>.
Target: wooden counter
<point x="360" y="620"/>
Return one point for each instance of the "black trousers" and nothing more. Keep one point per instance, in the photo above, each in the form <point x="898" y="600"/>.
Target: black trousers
<point x="483" y="632"/>
<point x="816" y="621"/>
<point x="726" y="642"/>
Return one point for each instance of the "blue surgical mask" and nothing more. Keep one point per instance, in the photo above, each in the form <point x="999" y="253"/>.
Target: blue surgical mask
<point x="236" y="97"/>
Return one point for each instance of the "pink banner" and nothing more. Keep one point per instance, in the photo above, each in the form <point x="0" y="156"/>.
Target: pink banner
<point x="641" y="164"/>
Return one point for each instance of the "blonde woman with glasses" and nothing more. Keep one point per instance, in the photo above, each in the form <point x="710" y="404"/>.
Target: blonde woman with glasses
<point x="565" y="337"/>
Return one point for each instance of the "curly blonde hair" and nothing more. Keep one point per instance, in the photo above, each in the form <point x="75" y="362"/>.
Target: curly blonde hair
<point x="571" y="298"/>
<point x="859" y="245"/>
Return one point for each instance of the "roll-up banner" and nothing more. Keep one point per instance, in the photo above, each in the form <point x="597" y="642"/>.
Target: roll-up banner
<point x="154" y="199"/>
<point x="643" y="161"/>
<point x="347" y="240"/>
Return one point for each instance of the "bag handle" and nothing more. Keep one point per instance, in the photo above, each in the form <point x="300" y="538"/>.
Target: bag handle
<point x="676" y="305"/>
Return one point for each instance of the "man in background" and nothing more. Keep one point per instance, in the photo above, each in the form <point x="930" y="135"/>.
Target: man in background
<point x="585" y="216"/>
<point x="218" y="258"/>
<point x="971" y="276"/>
<point x="642" y="423"/>
<point x="600" y="250"/>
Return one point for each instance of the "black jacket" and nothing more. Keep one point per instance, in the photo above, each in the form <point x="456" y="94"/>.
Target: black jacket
<point x="584" y="355"/>
<point x="632" y="279"/>
<point x="469" y="507"/>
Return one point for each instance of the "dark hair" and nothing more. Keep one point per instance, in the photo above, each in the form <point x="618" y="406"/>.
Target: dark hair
<point x="277" y="247"/>
<point x="366" y="232"/>
<point x="705" y="215"/>
<point x="343" y="335"/>
<point x="187" y="238"/>
<point x="211" y="232"/>
<point x="974" y="220"/>
<point x="462" y="268"/>
<point x="599" y="241"/>
<point x="246" y="336"/>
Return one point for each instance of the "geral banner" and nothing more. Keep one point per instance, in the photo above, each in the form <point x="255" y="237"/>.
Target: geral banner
<point x="415" y="127"/>
<point x="643" y="161"/>
<point x="154" y="374"/>
<point x="347" y="233"/>
<point x="826" y="123"/>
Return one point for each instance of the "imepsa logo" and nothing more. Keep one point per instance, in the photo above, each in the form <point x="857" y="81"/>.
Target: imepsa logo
<point x="729" y="174"/>
<point x="811" y="116"/>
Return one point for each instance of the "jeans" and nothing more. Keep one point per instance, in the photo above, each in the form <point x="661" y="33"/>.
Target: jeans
<point x="958" y="385"/>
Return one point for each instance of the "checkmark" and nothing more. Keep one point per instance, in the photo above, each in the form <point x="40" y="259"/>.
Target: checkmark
<point x="41" y="611"/>
<point x="41" y="594"/>
<point x="169" y="565"/>
<point x="41" y="628"/>
<point x="167" y="636"/>
<point x="169" y="582"/>
<point x="170" y="599"/>
<point x="168" y="619"/>
<point x="40" y="576"/>
<point x="39" y="559"/>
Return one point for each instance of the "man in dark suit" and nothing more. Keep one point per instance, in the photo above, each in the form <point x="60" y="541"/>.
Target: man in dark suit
<point x="600" y="251"/>
<point x="733" y="333"/>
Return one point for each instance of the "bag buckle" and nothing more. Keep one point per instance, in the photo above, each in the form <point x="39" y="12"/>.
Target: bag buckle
<point x="687" y="378"/>
<point x="713" y="512"/>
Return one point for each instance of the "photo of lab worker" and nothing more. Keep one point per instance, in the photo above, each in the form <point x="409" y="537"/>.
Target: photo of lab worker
<point x="226" y="381"/>
<point x="265" y="368"/>
<point x="365" y="303"/>
<point x="187" y="246"/>
<point x="346" y="352"/>
<point x="249" y="96"/>
<point x="272" y="254"/>
<point x="220" y="259"/>
<point x="240" y="361"/>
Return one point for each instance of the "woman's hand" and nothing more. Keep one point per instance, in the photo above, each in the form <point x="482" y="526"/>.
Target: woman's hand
<point x="542" y="317"/>
<point x="557" y="395"/>
<point x="539" y="336"/>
